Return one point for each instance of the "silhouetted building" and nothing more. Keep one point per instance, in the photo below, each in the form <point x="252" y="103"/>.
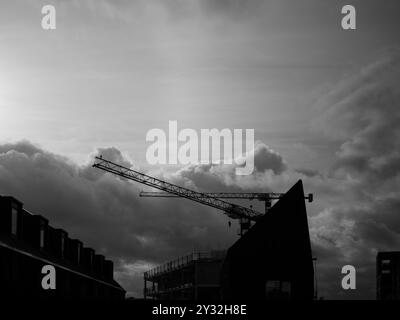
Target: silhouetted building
<point x="388" y="276"/>
<point x="273" y="260"/>
<point x="28" y="243"/>
<point x="193" y="277"/>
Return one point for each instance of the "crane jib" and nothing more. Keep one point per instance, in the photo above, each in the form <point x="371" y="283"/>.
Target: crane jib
<point x="232" y="210"/>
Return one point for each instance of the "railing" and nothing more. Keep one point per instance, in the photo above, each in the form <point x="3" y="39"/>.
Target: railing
<point x="152" y="292"/>
<point x="183" y="261"/>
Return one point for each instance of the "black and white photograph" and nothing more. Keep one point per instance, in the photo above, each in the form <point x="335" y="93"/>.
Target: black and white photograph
<point x="199" y="157"/>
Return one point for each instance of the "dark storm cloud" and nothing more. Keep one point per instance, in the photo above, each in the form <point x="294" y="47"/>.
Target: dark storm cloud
<point x="104" y="211"/>
<point x="355" y="213"/>
<point x="362" y="112"/>
<point x="309" y="172"/>
<point x="352" y="235"/>
<point x="222" y="178"/>
<point x="267" y="159"/>
<point x="24" y="147"/>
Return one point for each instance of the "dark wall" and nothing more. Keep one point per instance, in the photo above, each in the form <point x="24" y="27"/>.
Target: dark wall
<point x="388" y="275"/>
<point x="28" y="242"/>
<point x="208" y="272"/>
<point x="276" y="248"/>
<point x="21" y="277"/>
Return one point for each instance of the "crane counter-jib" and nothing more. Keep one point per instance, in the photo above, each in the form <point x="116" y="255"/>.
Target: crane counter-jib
<point x="232" y="210"/>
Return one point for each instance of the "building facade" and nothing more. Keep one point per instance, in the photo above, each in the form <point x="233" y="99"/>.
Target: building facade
<point x="28" y="244"/>
<point x="273" y="260"/>
<point x="193" y="277"/>
<point x="388" y="275"/>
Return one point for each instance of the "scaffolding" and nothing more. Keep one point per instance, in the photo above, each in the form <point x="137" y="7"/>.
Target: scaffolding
<point x="189" y="277"/>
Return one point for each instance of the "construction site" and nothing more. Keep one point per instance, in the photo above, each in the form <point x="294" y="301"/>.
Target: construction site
<point x="272" y="259"/>
<point x="192" y="277"/>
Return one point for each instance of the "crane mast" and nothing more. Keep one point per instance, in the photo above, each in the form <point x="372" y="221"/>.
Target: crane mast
<point x="234" y="211"/>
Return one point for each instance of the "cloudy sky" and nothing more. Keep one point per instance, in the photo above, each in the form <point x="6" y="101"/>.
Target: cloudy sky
<point x="324" y="104"/>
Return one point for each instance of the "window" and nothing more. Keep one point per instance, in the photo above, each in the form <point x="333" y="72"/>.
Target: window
<point x="14" y="221"/>
<point x="385" y="262"/>
<point x="42" y="235"/>
<point x="62" y="245"/>
<point x="278" y="289"/>
<point x="273" y="285"/>
<point x="78" y="249"/>
<point x="286" y="287"/>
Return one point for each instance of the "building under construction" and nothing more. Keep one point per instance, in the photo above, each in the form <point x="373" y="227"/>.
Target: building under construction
<point x="272" y="260"/>
<point x="28" y="243"/>
<point x="193" y="277"/>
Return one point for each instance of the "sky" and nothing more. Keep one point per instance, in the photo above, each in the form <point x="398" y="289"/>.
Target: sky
<point x="324" y="104"/>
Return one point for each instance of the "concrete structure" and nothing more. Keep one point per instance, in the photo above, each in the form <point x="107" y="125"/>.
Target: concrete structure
<point x="273" y="260"/>
<point x="388" y="275"/>
<point x="28" y="243"/>
<point x="193" y="277"/>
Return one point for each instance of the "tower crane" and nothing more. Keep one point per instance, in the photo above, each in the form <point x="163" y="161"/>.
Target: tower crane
<point x="267" y="197"/>
<point x="234" y="211"/>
